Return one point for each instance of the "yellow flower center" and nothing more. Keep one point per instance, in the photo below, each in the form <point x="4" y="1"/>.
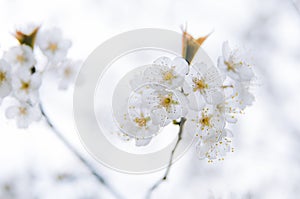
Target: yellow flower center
<point x="67" y="72"/>
<point x="21" y="58"/>
<point x="168" y="76"/>
<point x="22" y="110"/>
<point x="25" y="85"/>
<point x="53" y="47"/>
<point x="141" y="121"/>
<point x="166" y="101"/>
<point x="232" y="66"/>
<point x="2" y="76"/>
<point x="199" y="85"/>
<point x="205" y="121"/>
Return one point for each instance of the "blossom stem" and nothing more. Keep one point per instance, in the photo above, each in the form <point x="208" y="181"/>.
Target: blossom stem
<point x="165" y="176"/>
<point x="87" y="164"/>
<point x="296" y="6"/>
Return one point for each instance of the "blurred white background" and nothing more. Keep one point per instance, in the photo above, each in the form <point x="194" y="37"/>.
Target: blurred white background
<point x="266" y="162"/>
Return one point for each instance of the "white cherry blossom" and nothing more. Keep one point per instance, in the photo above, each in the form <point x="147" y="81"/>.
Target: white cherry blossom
<point x="24" y="114"/>
<point x="137" y="123"/>
<point x="5" y="79"/>
<point x="53" y="45"/>
<point x="205" y="123"/>
<point x="203" y="86"/>
<point x="241" y="95"/>
<point x="233" y="64"/>
<point x="212" y="148"/>
<point x="25" y="86"/>
<point x="166" y="106"/>
<point x="167" y="72"/>
<point x="236" y="102"/>
<point x="67" y="71"/>
<point x="20" y="57"/>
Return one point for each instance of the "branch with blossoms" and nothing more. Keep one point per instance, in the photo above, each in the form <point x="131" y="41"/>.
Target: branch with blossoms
<point x="20" y="81"/>
<point x="204" y="97"/>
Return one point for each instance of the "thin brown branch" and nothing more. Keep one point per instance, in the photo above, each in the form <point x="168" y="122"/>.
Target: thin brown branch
<point x="165" y="176"/>
<point x="294" y="3"/>
<point x="87" y="164"/>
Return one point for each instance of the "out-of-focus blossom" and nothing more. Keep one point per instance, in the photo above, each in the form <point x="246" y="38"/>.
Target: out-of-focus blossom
<point x="234" y="64"/>
<point x="212" y="148"/>
<point x="25" y="86"/>
<point x="20" y="57"/>
<point x="67" y="71"/>
<point x="53" y="45"/>
<point x="5" y="79"/>
<point x="24" y="114"/>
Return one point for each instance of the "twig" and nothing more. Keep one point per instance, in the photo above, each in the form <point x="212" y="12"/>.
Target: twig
<point x="296" y="6"/>
<point x="164" y="178"/>
<point x="88" y="165"/>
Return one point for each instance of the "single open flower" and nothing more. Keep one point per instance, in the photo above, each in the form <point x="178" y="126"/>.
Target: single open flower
<point x="53" y="45"/>
<point x="212" y="149"/>
<point x="205" y="123"/>
<point x="20" y="57"/>
<point x="167" y="72"/>
<point x="203" y="85"/>
<point x="24" y="114"/>
<point x="137" y="123"/>
<point x="236" y="102"/>
<point x="26" y="85"/>
<point x="5" y="79"/>
<point x="67" y="71"/>
<point x="165" y="105"/>
<point x="233" y="64"/>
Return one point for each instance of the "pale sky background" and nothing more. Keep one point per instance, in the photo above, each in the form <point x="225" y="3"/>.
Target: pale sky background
<point x="267" y="140"/>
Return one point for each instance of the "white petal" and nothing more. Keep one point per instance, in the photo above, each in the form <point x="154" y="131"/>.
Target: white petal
<point x="163" y="61"/>
<point x="221" y="64"/>
<point x="200" y="67"/>
<point x="22" y="122"/>
<point x="5" y="89"/>
<point x="11" y="112"/>
<point x="191" y="127"/>
<point x="196" y="102"/>
<point x="231" y="119"/>
<point x="202" y="149"/>
<point x="246" y="73"/>
<point x="174" y="112"/>
<point x="226" y="50"/>
<point x="142" y="142"/>
<point x="36" y="80"/>
<point x="35" y="113"/>
<point x="213" y="96"/>
<point x="159" y="117"/>
<point x="181" y="66"/>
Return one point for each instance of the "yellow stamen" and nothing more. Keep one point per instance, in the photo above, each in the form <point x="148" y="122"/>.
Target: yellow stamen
<point x="166" y="101"/>
<point x="142" y="121"/>
<point x="21" y="58"/>
<point x="205" y="121"/>
<point x="168" y="76"/>
<point x="67" y="72"/>
<point x="22" y="110"/>
<point x="231" y="66"/>
<point x="199" y="85"/>
<point x="2" y="76"/>
<point x="52" y="47"/>
<point x="25" y="85"/>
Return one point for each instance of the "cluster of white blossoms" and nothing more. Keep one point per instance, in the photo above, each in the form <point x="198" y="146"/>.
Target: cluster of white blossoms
<point x="20" y="79"/>
<point x="209" y="97"/>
